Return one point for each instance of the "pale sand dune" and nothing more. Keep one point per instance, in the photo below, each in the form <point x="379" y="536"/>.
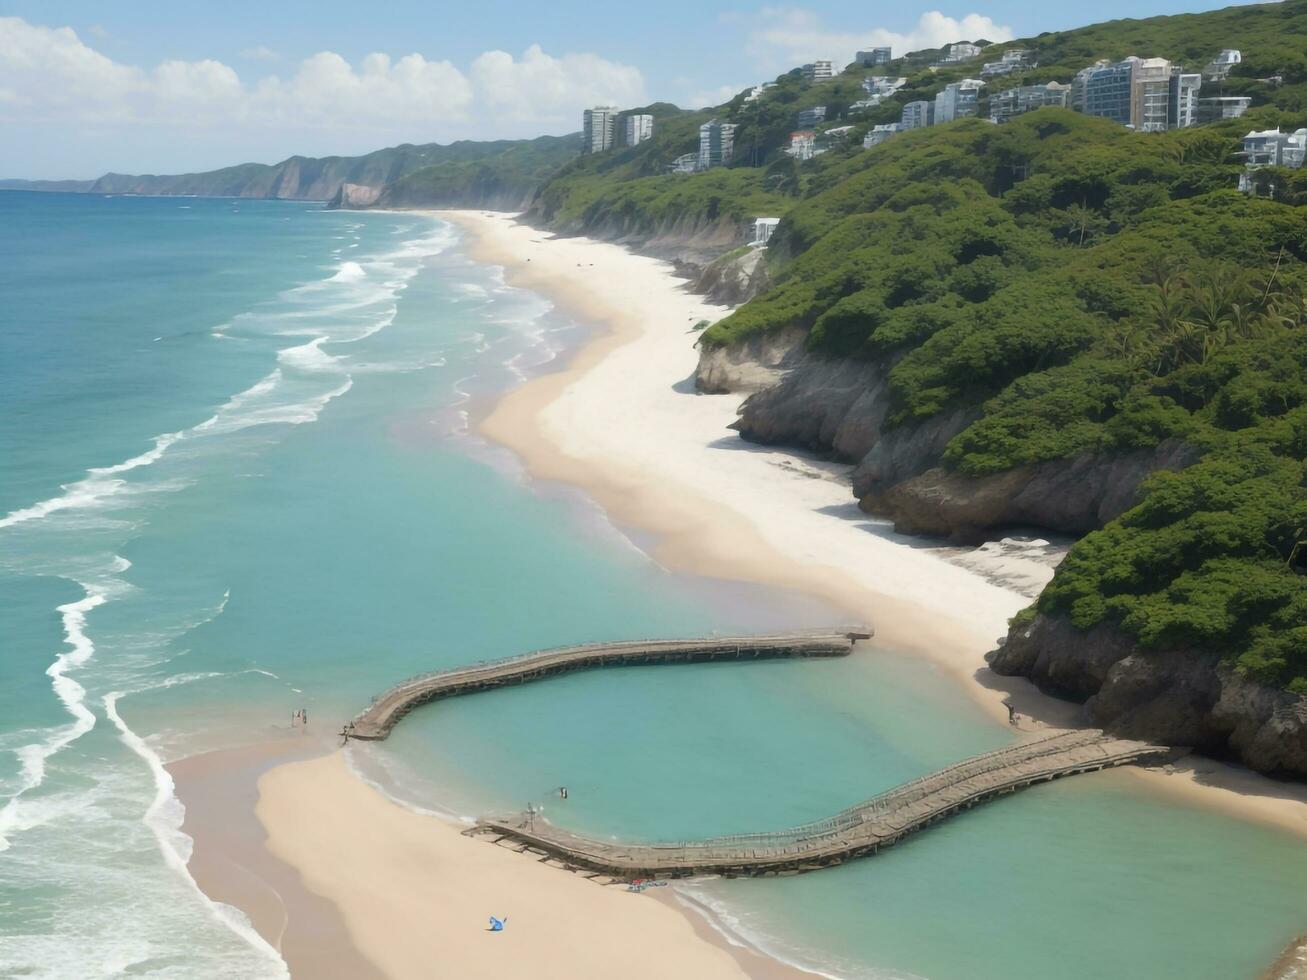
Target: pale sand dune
<point x="417" y="894"/>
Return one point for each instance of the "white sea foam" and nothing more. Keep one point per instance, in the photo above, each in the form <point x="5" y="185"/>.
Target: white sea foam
<point x="95" y="486"/>
<point x="164" y="817"/>
<point x="728" y="922"/>
<point x="34" y="755"/>
<point x="349" y="272"/>
<point x="310" y="357"/>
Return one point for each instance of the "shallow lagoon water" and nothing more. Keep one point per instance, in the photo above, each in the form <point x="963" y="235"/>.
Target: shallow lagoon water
<point x="287" y="510"/>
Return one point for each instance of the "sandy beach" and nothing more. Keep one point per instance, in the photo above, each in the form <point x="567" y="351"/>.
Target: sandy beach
<point x="624" y="422"/>
<point x="402" y="894"/>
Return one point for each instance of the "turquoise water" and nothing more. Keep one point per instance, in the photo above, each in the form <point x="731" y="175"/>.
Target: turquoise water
<point x="236" y="480"/>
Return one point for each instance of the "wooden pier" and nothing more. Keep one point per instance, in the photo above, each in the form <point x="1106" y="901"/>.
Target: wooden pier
<point x="858" y="831"/>
<point x="388" y="708"/>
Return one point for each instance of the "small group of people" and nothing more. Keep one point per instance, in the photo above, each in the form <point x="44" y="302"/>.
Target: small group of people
<point x="300" y="719"/>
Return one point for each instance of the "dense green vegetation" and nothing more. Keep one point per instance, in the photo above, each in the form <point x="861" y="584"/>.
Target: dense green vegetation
<point x="1075" y="288"/>
<point x="1090" y="290"/>
<point x="510" y="173"/>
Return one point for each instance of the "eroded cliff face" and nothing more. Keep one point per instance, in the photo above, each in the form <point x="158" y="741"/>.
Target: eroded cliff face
<point x="1179" y="697"/>
<point x="691" y="241"/>
<point x="840" y="406"/>
<point x="735" y="278"/>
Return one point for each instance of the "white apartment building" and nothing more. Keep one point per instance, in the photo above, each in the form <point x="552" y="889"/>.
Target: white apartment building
<point x="1271" y="148"/>
<point x="1013" y="60"/>
<point x="758" y="91"/>
<point x="958" y="100"/>
<point x="637" y="128"/>
<point x="917" y="115"/>
<point x="597" y="127"/>
<point x="961" y="51"/>
<point x="879" y="134"/>
<point x="817" y="71"/>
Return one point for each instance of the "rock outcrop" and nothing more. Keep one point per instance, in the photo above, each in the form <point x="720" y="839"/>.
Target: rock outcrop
<point x="840" y="405"/>
<point x="1181" y="697"/>
<point x="1074" y="495"/>
<point x="735" y="278"/>
<point x="355" y="196"/>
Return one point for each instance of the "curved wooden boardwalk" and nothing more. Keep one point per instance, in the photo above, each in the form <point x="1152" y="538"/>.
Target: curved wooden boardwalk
<point x="860" y="830"/>
<point x="388" y="708"/>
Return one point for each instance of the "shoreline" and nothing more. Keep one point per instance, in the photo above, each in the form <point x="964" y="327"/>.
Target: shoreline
<point x="560" y="427"/>
<point x="554" y="424"/>
<point x="263" y="818"/>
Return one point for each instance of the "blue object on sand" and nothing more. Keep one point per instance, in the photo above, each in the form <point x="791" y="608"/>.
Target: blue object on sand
<point x="497" y="925"/>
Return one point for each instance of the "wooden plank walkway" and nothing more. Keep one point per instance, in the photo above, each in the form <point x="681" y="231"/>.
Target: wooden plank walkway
<point x="860" y="830"/>
<point x="388" y="708"/>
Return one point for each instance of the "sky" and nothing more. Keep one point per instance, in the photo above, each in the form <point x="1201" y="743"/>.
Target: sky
<point x="138" y="86"/>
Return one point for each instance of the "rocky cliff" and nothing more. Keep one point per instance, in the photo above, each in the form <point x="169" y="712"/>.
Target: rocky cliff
<point x="1182" y="697"/>
<point x="841" y="406"/>
<point x="321" y="178"/>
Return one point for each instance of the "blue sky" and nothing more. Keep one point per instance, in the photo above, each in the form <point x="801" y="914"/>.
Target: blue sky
<point x="87" y="87"/>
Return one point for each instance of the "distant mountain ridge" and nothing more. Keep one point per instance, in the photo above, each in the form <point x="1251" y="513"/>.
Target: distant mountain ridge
<point x="48" y="186"/>
<point x="321" y="178"/>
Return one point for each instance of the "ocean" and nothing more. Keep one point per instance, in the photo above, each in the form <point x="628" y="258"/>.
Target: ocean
<point x="237" y="479"/>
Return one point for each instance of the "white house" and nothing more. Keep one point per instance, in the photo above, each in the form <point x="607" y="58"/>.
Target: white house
<point x="763" y="229"/>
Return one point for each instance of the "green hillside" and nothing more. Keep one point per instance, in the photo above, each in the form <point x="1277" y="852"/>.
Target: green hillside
<point x="508" y="175"/>
<point x="1077" y="287"/>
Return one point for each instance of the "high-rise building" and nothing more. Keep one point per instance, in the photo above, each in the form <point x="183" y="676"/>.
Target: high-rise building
<point x="1108" y="90"/>
<point x="1014" y="101"/>
<point x="637" y="128"/>
<point x="874" y="57"/>
<point x="816" y="71"/>
<point x="918" y="114"/>
<point x="716" y="144"/>
<point x="1182" y="107"/>
<point x="1150" y="95"/>
<point x="958" y="100"/>
<point x="1080" y="84"/>
<point x="597" y="129"/>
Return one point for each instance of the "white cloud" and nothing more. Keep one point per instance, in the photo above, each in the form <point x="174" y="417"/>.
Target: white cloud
<point x="784" y="37"/>
<point x="51" y="77"/>
<point x="541" y="85"/>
